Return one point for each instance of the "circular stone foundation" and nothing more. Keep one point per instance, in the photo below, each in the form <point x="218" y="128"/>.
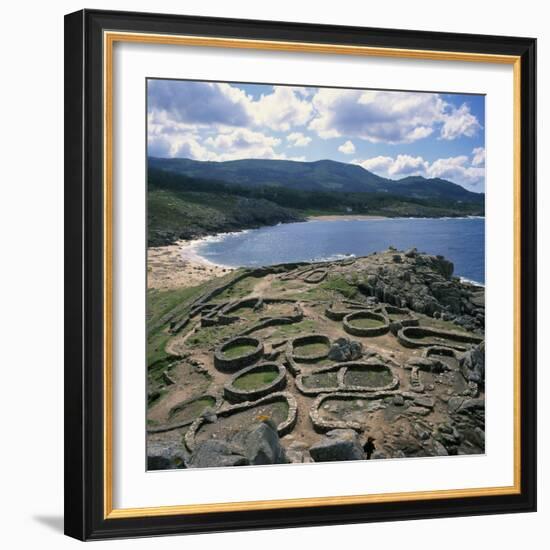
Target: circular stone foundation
<point x="238" y="353"/>
<point x="403" y="316"/>
<point x="256" y="381"/>
<point x="367" y="377"/>
<point x="366" y="323"/>
<point x="310" y="348"/>
<point x="417" y="337"/>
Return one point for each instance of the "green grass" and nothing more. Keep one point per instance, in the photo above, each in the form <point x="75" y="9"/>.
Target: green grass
<point x="240" y="349"/>
<point x="256" y="379"/>
<point x="239" y="290"/>
<point x="341" y="286"/>
<point x="316" y="348"/>
<point x="244" y="312"/>
<point x="366" y="323"/>
<point x="164" y="306"/>
<point x="192" y="409"/>
<point x="285" y="331"/>
<point x="160" y="305"/>
<point x="212" y="336"/>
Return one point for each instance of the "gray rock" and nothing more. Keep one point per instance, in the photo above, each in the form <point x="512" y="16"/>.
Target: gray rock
<point x="455" y="403"/>
<point x="261" y="444"/>
<point x="424" y="401"/>
<point x="472" y="364"/>
<point x="344" y="349"/>
<point x="377" y="455"/>
<point x="422" y="432"/>
<point x="469" y="405"/>
<point x="337" y="445"/>
<point x="213" y="453"/>
<point x="398" y="400"/>
<point x="439" y="449"/>
<point x="421" y="411"/>
<point x="166" y="455"/>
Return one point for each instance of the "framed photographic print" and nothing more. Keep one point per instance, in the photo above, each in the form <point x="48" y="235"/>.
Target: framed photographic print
<point x="300" y="274"/>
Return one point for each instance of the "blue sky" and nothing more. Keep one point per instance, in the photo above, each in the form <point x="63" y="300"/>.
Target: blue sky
<point x="391" y="133"/>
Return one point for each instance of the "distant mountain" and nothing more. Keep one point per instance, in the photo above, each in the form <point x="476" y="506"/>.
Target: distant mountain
<point x="322" y="175"/>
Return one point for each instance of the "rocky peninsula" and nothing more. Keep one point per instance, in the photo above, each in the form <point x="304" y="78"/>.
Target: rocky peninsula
<point x="375" y="357"/>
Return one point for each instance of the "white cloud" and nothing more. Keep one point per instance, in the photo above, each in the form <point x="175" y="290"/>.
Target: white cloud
<point x="459" y="122"/>
<point x="389" y="117"/>
<point x="297" y="139"/>
<point x="281" y="110"/>
<point x="380" y="165"/>
<point x="456" y="169"/>
<point x="198" y="103"/>
<point x="177" y="145"/>
<point x="243" y="143"/>
<point x="398" y="167"/>
<point x="478" y="156"/>
<point x="347" y="148"/>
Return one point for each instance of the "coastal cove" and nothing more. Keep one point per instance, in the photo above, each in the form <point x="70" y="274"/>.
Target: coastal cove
<point x="461" y="240"/>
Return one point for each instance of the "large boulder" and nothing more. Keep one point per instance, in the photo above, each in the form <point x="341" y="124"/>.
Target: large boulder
<point x="344" y="349"/>
<point x="256" y="444"/>
<point x="337" y="445"/>
<point x="163" y="455"/>
<point x="472" y="364"/>
<point x="217" y="453"/>
<point x="261" y="444"/>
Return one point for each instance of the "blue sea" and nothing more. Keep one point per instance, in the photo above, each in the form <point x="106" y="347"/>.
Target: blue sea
<point x="461" y="240"/>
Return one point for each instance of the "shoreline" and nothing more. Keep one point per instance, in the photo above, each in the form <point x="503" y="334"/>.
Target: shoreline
<point x="345" y="217"/>
<point x="179" y="266"/>
<point x="367" y="217"/>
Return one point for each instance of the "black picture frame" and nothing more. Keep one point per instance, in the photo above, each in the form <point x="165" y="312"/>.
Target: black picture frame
<point x="84" y="282"/>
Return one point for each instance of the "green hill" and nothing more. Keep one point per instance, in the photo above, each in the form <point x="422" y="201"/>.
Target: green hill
<point x="323" y="175"/>
<point x="182" y="207"/>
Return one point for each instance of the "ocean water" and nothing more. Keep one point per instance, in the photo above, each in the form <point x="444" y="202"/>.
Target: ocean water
<point x="461" y="240"/>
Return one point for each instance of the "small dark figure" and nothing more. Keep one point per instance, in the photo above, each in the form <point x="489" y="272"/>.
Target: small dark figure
<point x="369" y="447"/>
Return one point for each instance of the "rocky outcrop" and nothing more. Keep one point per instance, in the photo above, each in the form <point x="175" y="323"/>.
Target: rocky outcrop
<point x="472" y="364"/>
<point x="257" y="444"/>
<point x="344" y="349"/>
<point x="214" y="454"/>
<point x="425" y="284"/>
<point x="261" y="444"/>
<point x="337" y="445"/>
<point x="163" y="455"/>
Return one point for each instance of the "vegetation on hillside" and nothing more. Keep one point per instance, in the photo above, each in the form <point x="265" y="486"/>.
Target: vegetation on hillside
<point x="180" y="207"/>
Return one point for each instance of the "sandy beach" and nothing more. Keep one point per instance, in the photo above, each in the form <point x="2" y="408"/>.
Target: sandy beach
<point x="178" y="266"/>
<point x="345" y="217"/>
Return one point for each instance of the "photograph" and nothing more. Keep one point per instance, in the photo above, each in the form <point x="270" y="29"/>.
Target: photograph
<point x="315" y="274"/>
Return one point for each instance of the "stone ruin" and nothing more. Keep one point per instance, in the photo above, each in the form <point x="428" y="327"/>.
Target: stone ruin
<point x="301" y="373"/>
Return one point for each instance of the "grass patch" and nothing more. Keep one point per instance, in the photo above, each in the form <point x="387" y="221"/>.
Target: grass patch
<point x="368" y="378"/>
<point x="240" y="349"/>
<point x="341" y="286"/>
<point x="366" y="323"/>
<point x="193" y="409"/>
<point x="315" y="348"/>
<point x="207" y="337"/>
<point x="239" y="290"/>
<point x="256" y="379"/>
<point x="162" y="307"/>
<point x="244" y="312"/>
<point x="284" y="331"/>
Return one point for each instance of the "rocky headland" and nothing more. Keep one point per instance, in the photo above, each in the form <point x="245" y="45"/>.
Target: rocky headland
<point x="365" y="358"/>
